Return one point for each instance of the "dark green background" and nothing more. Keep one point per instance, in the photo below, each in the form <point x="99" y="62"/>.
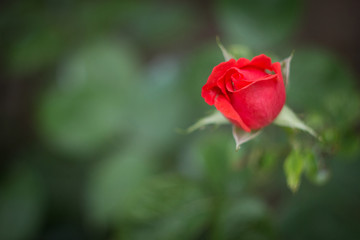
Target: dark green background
<point x="92" y="93"/>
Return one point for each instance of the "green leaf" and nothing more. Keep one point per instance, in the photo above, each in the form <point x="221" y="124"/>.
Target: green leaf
<point x="21" y="204"/>
<point x="215" y="118"/>
<point x="287" y="118"/>
<point x="36" y="50"/>
<point x="89" y="105"/>
<point x="241" y="136"/>
<point x="162" y="195"/>
<point x="226" y="54"/>
<point x="185" y="221"/>
<point x="215" y="158"/>
<point x="113" y="185"/>
<point x="311" y="166"/>
<point x="285" y="68"/>
<point x="293" y="167"/>
<point x="314" y="172"/>
<point x="241" y="216"/>
<point x="273" y="22"/>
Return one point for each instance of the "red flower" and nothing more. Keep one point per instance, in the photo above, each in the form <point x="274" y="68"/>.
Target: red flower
<point x="249" y="93"/>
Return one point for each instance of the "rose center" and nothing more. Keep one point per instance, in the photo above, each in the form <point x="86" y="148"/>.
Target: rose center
<point x="236" y="81"/>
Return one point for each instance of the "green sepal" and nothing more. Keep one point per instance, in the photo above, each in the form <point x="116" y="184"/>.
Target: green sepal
<point x="226" y="54"/>
<point x="285" y="68"/>
<point x="287" y="118"/>
<point x="216" y="118"/>
<point x="241" y="136"/>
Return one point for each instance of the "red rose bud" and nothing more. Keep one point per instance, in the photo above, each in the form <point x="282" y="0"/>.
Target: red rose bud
<point x="249" y="93"/>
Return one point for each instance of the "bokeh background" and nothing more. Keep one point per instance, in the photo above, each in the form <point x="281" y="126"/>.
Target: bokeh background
<point x="92" y="93"/>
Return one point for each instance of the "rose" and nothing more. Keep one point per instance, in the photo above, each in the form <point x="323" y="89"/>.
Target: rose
<point x="249" y="93"/>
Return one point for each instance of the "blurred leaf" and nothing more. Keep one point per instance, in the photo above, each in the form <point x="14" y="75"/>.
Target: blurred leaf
<point x="114" y="184"/>
<point x="36" y="50"/>
<point x="161" y="195"/>
<point x="40" y="35"/>
<point x="194" y="74"/>
<point x="243" y="210"/>
<point x="269" y="160"/>
<point x="209" y="158"/>
<point x="312" y="168"/>
<point x="323" y="83"/>
<point x="241" y="136"/>
<point x="293" y="167"/>
<point x="240" y="51"/>
<point x="171" y="23"/>
<point x="186" y="221"/>
<point x="216" y="155"/>
<point x="215" y="118"/>
<point x="226" y="54"/>
<point x="287" y="118"/>
<point x="257" y="23"/>
<point x="90" y="103"/>
<point x="243" y="218"/>
<point x="21" y="205"/>
<point x="174" y="209"/>
<point x="333" y="208"/>
<point x="285" y="67"/>
<point x="322" y="176"/>
<point x="157" y="97"/>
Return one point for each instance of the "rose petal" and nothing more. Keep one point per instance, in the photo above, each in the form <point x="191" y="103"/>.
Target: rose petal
<point x="229" y="84"/>
<point x="267" y="78"/>
<point x="261" y="61"/>
<point x="242" y="62"/>
<point x="218" y="72"/>
<point x="260" y="103"/>
<point x="210" y="89"/>
<point x="210" y="95"/>
<point x="253" y="73"/>
<point x="277" y="69"/>
<point x="236" y="86"/>
<point x="224" y="106"/>
<point x="245" y="92"/>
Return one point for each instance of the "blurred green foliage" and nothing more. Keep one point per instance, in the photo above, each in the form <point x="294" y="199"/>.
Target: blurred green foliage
<point x="114" y="80"/>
